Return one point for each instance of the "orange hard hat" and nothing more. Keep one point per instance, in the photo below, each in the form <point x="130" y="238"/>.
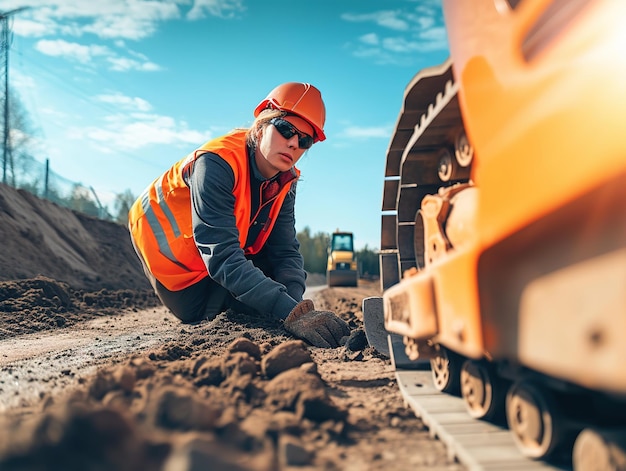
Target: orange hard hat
<point x="301" y="99"/>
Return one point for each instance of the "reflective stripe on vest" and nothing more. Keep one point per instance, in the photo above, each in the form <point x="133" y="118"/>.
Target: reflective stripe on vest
<point x="153" y="222"/>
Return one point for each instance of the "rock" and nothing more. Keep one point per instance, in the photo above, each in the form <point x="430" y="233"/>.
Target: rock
<point x="291" y="452"/>
<point x="357" y="340"/>
<point x="243" y="344"/>
<point x="285" y="356"/>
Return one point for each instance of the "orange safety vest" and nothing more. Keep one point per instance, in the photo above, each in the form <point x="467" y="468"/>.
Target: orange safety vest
<point x="160" y="219"/>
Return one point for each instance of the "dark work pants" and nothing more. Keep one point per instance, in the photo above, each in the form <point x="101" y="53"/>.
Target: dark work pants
<point x="202" y="300"/>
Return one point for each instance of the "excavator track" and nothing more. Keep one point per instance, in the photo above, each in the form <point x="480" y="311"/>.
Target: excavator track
<point x="415" y="165"/>
<point x="479" y="445"/>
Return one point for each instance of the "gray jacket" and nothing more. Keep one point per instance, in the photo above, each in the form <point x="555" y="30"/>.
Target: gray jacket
<point x="271" y="282"/>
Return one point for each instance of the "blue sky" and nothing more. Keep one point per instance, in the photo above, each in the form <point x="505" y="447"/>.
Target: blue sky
<point x="118" y="90"/>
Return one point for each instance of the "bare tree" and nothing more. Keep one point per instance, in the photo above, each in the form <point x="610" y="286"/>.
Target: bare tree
<point x="121" y="205"/>
<point x="22" y="168"/>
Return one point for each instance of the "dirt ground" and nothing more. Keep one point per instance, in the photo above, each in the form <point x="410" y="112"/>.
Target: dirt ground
<point x="96" y="375"/>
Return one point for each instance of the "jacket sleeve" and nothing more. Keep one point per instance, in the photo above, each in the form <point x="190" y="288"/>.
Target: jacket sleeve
<point x="284" y="249"/>
<point x="216" y="235"/>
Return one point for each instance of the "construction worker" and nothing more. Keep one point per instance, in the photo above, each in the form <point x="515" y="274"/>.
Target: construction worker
<point x="217" y="230"/>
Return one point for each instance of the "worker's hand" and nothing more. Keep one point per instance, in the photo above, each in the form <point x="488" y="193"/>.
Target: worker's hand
<point x="319" y="328"/>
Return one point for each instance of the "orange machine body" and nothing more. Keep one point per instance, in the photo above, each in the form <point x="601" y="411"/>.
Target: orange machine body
<point x="519" y="256"/>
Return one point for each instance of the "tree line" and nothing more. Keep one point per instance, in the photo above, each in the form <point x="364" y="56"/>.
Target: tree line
<point x="314" y="249"/>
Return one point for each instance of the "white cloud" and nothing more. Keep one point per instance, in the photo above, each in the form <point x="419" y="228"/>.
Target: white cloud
<point x="75" y="51"/>
<point x="386" y="18"/>
<point x="114" y="27"/>
<point x="115" y="20"/>
<point x="111" y="19"/>
<point x="436" y="36"/>
<point x="370" y="38"/>
<point x="31" y="28"/>
<point x="130" y="132"/>
<point x="375" y="132"/>
<point x="402" y="45"/>
<point x="131" y="19"/>
<point x="399" y="33"/>
<point x="122" y="64"/>
<point x="86" y="54"/>
<point x="218" y="8"/>
<point x="126" y="102"/>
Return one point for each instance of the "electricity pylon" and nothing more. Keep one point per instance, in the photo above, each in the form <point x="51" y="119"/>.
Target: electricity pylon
<point x="4" y="60"/>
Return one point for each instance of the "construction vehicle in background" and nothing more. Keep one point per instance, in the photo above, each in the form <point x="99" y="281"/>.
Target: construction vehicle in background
<point x="503" y="240"/>
<point x="341" y="266"/>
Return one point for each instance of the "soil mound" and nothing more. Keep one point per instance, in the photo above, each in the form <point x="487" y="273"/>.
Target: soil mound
<point x="42" y="238"/>
<point x="42" y="303"/>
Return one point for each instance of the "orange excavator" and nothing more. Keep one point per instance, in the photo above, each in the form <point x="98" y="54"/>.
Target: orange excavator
<point x="503" y="241"/>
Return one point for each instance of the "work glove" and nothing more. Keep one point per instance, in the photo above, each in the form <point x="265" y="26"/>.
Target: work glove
<point x="319" y="328"/>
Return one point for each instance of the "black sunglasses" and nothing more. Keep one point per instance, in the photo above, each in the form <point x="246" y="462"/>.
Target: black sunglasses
<point x="288" y="130"/>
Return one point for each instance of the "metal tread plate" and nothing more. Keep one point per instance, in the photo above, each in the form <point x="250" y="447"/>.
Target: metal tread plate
<point x="479" y="445"/>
